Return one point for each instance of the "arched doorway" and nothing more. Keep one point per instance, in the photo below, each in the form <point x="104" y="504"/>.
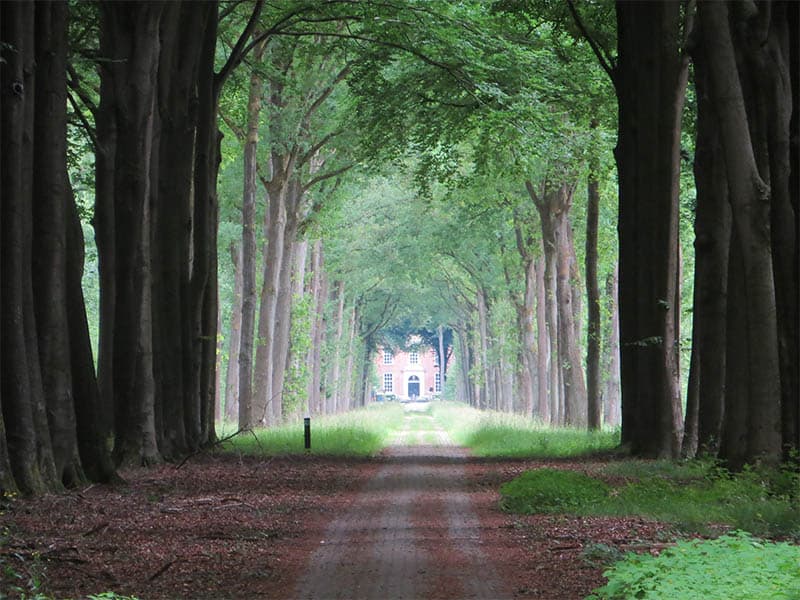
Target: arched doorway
<point x="413" y="387"/>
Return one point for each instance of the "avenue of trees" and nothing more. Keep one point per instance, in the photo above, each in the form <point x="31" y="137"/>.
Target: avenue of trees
<point x="591" y="207"/>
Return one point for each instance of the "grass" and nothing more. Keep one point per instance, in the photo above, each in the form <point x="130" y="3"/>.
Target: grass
<point x="494" y="434"/>
<point x="359" y="433"/>
<point x="696" y="497"/>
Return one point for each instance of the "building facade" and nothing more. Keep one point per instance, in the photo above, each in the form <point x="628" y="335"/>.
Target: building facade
<point x="408" y="375"/>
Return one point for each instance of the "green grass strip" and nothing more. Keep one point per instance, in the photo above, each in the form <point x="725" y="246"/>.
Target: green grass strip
<point x="363" y="432"/>
<point x="495" y="434"/>
<point x="760" y="502"/>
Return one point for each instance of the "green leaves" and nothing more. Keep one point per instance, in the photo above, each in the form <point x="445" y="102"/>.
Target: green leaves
<point x="733" y="567"/>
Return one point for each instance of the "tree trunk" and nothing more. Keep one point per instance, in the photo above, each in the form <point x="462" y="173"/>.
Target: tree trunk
<point x="751" y="199"/>
<point x="316" y="313"/>
<point x="334" y="374"/>
<point x="650" y="79"/>
<point x="130" y="39"/>
<point x="276" y="226"/>
<point x="706" y="401"/>
<point x="593" y="340"/>
<point x="283" y="304"/>
<point x="542" y="342"/>
<point x="20" y="392"/>
<point x="347" y="388"/>
<point x="235" y="410"/>
<point x="611" y="396"/>
<point x="575" y="412"/>
<point x="49" y="241"/>
<point x="249" y="250"/>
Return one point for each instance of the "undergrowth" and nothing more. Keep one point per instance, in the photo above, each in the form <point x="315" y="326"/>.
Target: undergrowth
<point x="357" y="433"/>
<point x="495" y="434"/>
<point x="697" y="498"/>
<point x="735" y="566"/>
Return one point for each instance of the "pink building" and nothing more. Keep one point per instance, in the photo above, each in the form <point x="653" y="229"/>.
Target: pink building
<point x="408" y="374"/>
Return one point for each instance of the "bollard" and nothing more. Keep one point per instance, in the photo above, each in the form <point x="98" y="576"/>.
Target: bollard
<point x="307" y="433"/>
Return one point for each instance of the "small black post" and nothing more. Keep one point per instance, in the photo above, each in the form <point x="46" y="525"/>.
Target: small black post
<point x="307" y="433"/>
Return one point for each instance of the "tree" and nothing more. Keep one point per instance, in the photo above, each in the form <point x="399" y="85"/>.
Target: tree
<point x="49" y="395"/>
<point x="648" y="162"/>
<point x="756" y="159"/>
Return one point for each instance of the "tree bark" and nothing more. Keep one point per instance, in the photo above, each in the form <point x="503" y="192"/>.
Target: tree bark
<point x="593" y="340"/>
<point x="542" y="343"/>
<point x="20" y="387"/>
<point x="751" y="200"/>
<point x="650" y="80"/>
<point x="249" y="250"/>
<point x="49" y="242"/>
<point x="130" y="38"/>
<point x="334" y="382"/>
<point x="235" y="410"/>
<point x="611" y="396"/>
<point x="706" y="400"/>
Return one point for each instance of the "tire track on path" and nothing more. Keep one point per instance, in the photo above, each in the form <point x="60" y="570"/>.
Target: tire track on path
<point x="411" y="534"/>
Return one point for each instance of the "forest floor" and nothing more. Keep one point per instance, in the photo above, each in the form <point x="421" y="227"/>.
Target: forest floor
<point x="419" y="521"/>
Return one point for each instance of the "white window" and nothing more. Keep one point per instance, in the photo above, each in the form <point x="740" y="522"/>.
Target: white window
<point x="437" y="382"/>
<point x="388" y="384"/>
<point x="413" y="358"/>
<point x="388" y="357"/>
<point x="435" y="359"/>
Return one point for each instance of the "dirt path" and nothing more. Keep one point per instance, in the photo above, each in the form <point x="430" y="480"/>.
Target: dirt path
<point x="411" y="533"/>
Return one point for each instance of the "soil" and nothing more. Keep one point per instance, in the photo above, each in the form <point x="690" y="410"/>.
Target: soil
<point x="415" y="522"/>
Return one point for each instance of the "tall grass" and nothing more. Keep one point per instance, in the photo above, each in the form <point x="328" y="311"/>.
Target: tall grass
<point x="512" y="436"/>
<point x="358" y="433"/>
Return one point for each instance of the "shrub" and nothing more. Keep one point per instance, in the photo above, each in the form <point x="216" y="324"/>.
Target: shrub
<point x="733" y="567"/>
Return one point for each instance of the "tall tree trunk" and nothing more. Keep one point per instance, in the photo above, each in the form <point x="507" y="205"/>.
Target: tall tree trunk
<point x="49" y="241"/>
<point x="650" y="80"/>
<point x="92" y="430"/>
<point x="487" y="398"/>
<point x="283" y="304"/>
<point x="20" y="383"/>
<point x="334" y="383"/>
<point x="791" y="409"/>
<point x="542" y="343"/>
<point x="235" y="410"/>
<point x="347" y="387"/>
<point x="593" y="340"/>
<point x="249" y="249"/>
<point x="318" y="294"/>
<point x="751" y="199"/>
<point x="130" y="39"/>
<point x="706" y="400"/>
<point x="553" y="206"/>
<point x="276" y="226"/>
<point x="575" y="411"/>
<point x="611" y="396"/>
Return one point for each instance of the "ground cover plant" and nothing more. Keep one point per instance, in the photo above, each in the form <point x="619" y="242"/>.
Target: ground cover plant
<point x="759" y="501"/>
<point x="735" y="566"/>
<point x="496" y="434"/>
<point x="358" y="433"/>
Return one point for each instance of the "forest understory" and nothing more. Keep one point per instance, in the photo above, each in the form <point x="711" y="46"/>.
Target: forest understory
<point x="224" y="526"/>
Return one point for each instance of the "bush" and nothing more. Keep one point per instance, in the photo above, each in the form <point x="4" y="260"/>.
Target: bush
<point x="733" y="567"/>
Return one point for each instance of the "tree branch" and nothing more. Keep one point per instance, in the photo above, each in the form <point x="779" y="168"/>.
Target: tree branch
<point x="86" y="125"/>
<point x="604" y="60"/>
<point x="239" y="51"/>
<point x="328" y="175"/>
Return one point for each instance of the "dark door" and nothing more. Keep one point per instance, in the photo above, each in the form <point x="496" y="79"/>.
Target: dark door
<point x="413" y="386"/>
